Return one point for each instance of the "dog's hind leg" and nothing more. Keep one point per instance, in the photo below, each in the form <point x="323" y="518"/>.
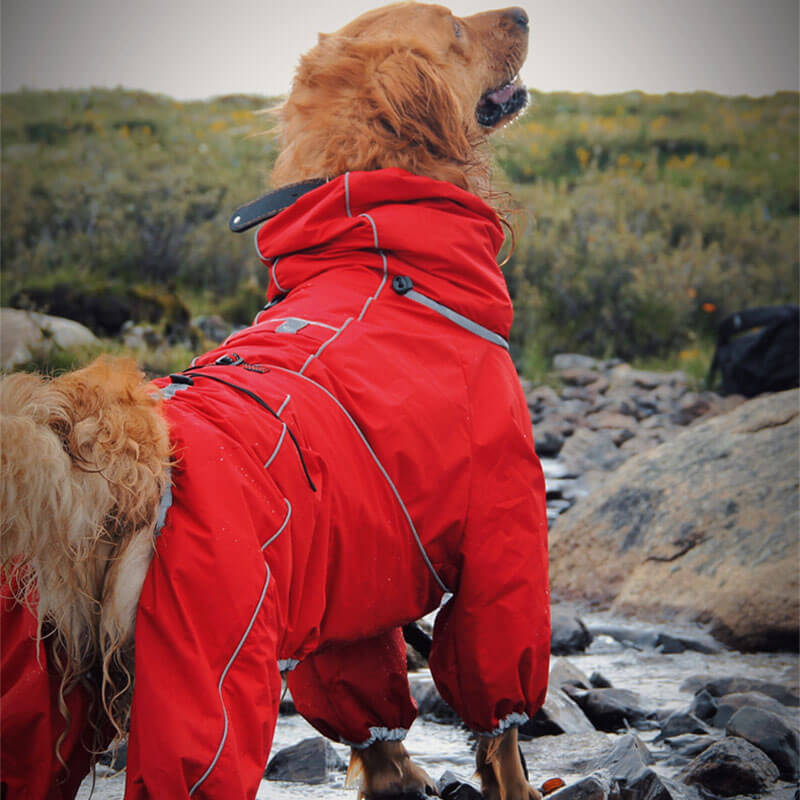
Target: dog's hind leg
<point x="358" y="694"/>
<point x="501" y="770"/>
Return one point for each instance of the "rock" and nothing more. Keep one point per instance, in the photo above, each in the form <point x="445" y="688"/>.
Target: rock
<point x="609" y="709"/>
<point x="625" y="377"/>
<point x="586" y="450"/>
<point x="432" y="707"/>
<point x="690" y="744"/>
<point x="27" y="335"/>
<point x="565" y="755"/>
<point x="769" y="733"/>
<point x="542" y="397"/>
<point x="414" y="660"/>
<point x="569" y="634"/>
<point x="599" y="681"/>
<point x="451" y="787"/>
<point x="213" y="327"/>
<point x="731" y="767"/>
<point x="548" y="440"/>
<point x="560" y="714"/>
<point x="578" y="376"/>
<point x="140" y="337"/>
<point x="564" y="672"/>
<point x="592" y="788"/>
<point x="680" y="722"/>
<point x="729" y="704"/>
<point x="308" y="761"/>
<point x="116" y="758"/>
<point x="720" y="686"/>
<point x="657" y="639"/>
<point x="703" y="706"/>
<point x="704" y="526"/>
<point x="610" y="420"/>
<point x="287" y="707"/>
<point x="563" y="361"/>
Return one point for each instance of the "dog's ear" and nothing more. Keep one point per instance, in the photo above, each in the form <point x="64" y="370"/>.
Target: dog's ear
<point x="417" y="108"/>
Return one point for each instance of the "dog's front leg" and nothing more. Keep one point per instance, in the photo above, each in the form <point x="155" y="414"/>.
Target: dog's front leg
<point x="500" y="768"/>
<point x="386" y="770"/>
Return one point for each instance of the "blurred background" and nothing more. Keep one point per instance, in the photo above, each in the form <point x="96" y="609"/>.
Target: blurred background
<point x="655" y="171"/>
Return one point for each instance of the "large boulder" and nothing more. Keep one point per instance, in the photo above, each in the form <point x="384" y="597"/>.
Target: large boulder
<point x="27" y="335"/>
<point x="703" y="526"/>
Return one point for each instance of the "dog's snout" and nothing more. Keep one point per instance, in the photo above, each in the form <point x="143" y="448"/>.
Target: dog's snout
<point x="519" y="17"/>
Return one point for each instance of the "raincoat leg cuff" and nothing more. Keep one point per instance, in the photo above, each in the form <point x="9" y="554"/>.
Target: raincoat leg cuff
<point x="513" y="720"/>
<point x="380" y="735"/>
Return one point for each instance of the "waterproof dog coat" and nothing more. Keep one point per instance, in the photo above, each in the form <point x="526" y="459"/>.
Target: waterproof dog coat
<point x="359" y="453"/>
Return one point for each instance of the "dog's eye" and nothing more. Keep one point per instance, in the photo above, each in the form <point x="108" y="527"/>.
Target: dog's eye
<point x="457" y="29"/>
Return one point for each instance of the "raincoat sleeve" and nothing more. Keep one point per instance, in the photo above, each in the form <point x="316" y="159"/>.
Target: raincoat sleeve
<point x="491" y="643"/>
<point x="356" y="693"/>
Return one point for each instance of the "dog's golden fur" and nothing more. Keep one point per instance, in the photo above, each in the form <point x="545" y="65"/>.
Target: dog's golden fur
<point x="85" y="457"/>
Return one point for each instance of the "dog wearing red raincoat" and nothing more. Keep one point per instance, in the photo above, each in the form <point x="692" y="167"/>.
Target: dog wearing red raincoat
<point x="359" y="454"/>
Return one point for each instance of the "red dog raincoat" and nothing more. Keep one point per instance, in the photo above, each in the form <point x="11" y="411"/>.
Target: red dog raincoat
<point x="360" y="451"/>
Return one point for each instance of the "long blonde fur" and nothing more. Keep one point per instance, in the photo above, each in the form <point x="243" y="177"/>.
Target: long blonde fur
<point x="83" y="463"/>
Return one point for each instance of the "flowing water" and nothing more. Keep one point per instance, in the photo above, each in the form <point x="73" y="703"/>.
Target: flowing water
<point x="655" y="676"/>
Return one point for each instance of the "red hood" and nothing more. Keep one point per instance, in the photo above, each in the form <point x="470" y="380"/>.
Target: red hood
<point x="444" y="238"/>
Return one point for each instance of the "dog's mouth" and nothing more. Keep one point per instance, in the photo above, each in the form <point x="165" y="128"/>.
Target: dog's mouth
<point x="501" y="104"/>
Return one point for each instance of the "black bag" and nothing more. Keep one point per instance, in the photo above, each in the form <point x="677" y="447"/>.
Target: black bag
<point x="758" y="350"/>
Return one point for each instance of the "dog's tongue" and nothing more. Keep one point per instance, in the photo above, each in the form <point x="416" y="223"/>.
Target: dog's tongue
<point x="502" y="95"/>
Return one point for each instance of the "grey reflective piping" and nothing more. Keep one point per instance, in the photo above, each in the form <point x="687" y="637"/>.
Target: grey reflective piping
<point x="287" y="664"/>
<point x="284" y="404"/>
<point x="347" y="194"/>
<point x="374" y="230"/>
<point x="306" y="321"/>
<point x="282" y="527"/>
<point x="380" y="467"/>
<point x="255" y="242"/>
<point x="513" y="720"/>
<point x="291" y="325"/>
<point x="380" y="735"/>
<point x="222" y="680"/>
<point x="277" y="447"/>
<point x="324" y="345"/>
<point x="275" y="275"/>
<point x="164" y="504"/>
<point x="459" y="319"/>
<point x="168" y="392"/>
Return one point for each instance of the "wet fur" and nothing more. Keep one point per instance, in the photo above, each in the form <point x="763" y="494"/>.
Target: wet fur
<point x="85" y="457"/>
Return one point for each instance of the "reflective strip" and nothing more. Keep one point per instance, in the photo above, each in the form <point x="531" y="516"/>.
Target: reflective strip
<point x="513" y="720"/>
<point x="287" y="664"/>
<point x="380" y="467"/>
<point x="222" y="680"/>
<point x="164" y="504"/>
<point x="374" y="230"/>
<point x="283" y="525"/>
<point x="284" y="404"/>
<point x="324" y="345"/>
<point x="277" y="447"/>
<point x="301" y="319"/>
<point x="347" y="194"/>
<point x="275" y="275"/>
<point x="380" y="735"/>
<point x="291" y="325"/>
<point x="168" y="392"/>
<point x="459" y="319"/>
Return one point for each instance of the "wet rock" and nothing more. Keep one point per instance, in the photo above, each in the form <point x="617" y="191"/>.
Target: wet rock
<point x="560" y="714"/>
<point x="682" y="722"/>
<point x="432" y="707"/>
<point x="563" y="671"/>
<point x="287" y="707"/>
<point x="569" y="634"/>
<point x="26" y="336"/>
<point x="690" y="744"/>
<point x="308" y="761"/>
<point x="548" y="439"/>
<point x="730" y="767"/>
<point x="721" y="686"/>
<point x="729" y="704"/>
<point x="599" y="681"/>
<point x="769" y="733"/>
<point x="451" y="787"/>
<point x="116" y="758"/>
<point x="703" y="706"/>
<point x="565" y="755"/>
<point x="703" y="526"/>
<point x="592" y="788"/>
<point x="609" y="709"/>
<point x="658" y="640"/>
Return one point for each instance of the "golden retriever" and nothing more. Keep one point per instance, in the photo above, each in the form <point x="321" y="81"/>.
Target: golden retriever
<point x="85" y="457"/>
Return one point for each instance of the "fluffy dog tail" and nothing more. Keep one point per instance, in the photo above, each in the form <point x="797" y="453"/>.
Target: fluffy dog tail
<point x="83" y="463"/>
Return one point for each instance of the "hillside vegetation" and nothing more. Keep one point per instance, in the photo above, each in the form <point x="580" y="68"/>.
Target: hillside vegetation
<point x="641" y="220"/>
